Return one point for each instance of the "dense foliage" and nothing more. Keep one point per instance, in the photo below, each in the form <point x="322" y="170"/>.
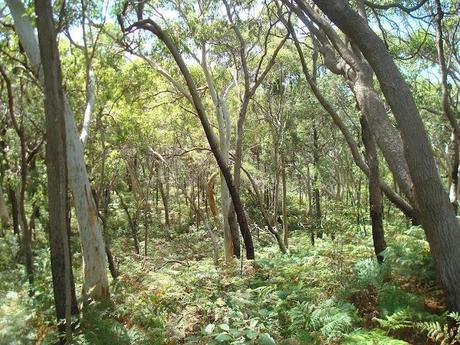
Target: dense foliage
<point x="201" y="133"/>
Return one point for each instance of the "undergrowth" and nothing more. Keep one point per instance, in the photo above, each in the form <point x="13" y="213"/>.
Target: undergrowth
<point x="332" y="293"/>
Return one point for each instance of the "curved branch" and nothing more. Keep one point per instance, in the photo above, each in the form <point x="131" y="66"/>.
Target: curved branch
<point x="408" y="10"/>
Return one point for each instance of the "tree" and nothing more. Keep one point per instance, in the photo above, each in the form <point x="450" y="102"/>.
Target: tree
<point x="95" y="282"/>
<point x="63" y="282"/>
<point x="436" y="214"/>
<point x="152" y="26"/>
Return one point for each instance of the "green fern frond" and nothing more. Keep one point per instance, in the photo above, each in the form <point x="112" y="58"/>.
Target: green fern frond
<point x="398" y="320"/>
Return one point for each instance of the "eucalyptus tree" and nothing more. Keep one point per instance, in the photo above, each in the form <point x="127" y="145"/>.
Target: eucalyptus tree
<point x="63" y="282"/>
<point x="358" y="75"/>
<point x="28" y="149"/>
<point x="435" y="211"/>
<point x="427" y="37"/>
<point x="342" y="60"/>
<point x="93" y="249"/>
<point x="22" y="137"/>
<point x="250" y="86"/>
<point x="336" y="117"/>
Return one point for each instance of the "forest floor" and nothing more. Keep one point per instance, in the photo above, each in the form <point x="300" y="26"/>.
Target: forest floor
<point x="331" y="293"/>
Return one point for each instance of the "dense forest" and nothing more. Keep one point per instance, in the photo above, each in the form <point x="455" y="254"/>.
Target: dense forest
<point x="229" y="172"/>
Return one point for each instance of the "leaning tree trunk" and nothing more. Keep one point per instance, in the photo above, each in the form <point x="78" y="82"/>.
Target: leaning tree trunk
<point x="436" y="213"/>
<point x="153" y="27"/>
<point x="229" y="224"/>
<point x="386" y="135"/>
<point x="448" y="110"/>
<point x="402" y="204"/>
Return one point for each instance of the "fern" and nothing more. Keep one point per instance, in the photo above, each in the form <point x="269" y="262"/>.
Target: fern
<point x="333" y="319"/>
<point x="443" y="334"/>
<point x="371" y="337"/>
<point x="398" y="320"/>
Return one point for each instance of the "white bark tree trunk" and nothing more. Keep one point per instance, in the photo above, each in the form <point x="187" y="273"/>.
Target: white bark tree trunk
<point x="91" y="102"/>
<point x="95" y="285"/>
<point x="224" y="125"/>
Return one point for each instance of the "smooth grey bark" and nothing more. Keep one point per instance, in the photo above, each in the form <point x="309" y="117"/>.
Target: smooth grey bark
<point x="251" y="81"/>
<point x="153" y="27"/>
<point x="436" y="213"/>
<point x="357" y="73"/>
<point x="95" y="283"/>
<point x="90" y="77"/>
<point x="448" y="109"/>
<point x="91" y="96"/>
<point x="399" y="202"/>
<point x="26" y="34"/>
<point x="230" y="230"/>
<point x="63" y="283"/>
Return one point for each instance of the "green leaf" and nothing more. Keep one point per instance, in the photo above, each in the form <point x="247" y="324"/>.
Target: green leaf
<point x="266" y="339"/>
<point x="250" y="334"/>
<point x="224" y="327"/>
<point x="223" y="337"/>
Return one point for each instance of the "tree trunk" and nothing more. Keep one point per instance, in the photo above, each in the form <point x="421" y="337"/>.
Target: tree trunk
<point x="4" y="216"/>
<point x="265" y="215"/>
<point x="26" y="239"/>
<point x="95" y="283"/>
<point x="131" y="222"/>
<point x="402" y="204"/>
<point x="165" y="199"/>
<point x="436" y="213"/>
<point x="61" y="266"/>
<point x="104" y="215"/>
<point x="454" y="146"/>
<point x="315" y="181"/>
<point x="285" y="215"/>
<point x="225" y="204"/>
<point x="213" y="143"/>
<point x="375" y="194"/>
<point x="229" y="224"/>
<point x="386" y="135"/>
<point x="14" y="210"/>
